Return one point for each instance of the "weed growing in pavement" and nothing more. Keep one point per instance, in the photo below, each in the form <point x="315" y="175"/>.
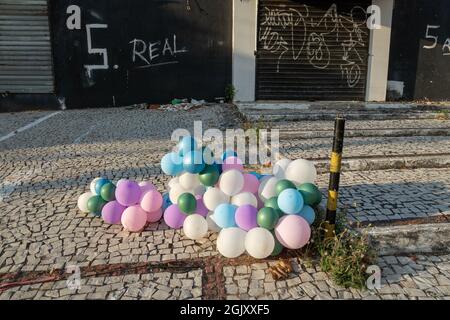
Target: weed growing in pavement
<point x="345" y="257"/>
<point x="443" y="114"/>
<point x="230" y="93"/>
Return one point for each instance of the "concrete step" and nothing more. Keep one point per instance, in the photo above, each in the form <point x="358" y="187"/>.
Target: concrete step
<point x="372" y="153"/>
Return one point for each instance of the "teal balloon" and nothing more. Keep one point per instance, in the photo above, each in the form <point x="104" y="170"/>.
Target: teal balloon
<point x="108" y="192"/>
<point x="193" y="162"/>
<point x="311" y="194"/>
<point x="278" y="246"/>
<point x="99" y="184"/>
<point x="95" y="205"/>
<point x="229" y="153"/>
<point x="273" y="203"/>
<point x="283" y="185"/>
<point x="172" y="164"/>
<point x="187" y="203"/>
<point x="267" y="218"/>
<point x="209" y="176"/>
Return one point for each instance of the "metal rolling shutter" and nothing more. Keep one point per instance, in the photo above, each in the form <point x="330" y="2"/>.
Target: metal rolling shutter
<point x="25" y="50"/>
<point x="312" y="50"/>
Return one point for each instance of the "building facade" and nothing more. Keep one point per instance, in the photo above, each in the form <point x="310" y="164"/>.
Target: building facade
<point x="100" y="53"/>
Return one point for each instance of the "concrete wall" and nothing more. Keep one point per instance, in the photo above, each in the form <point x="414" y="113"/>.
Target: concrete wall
<point x="244" y="46"/>
<point x="380" y="40"/>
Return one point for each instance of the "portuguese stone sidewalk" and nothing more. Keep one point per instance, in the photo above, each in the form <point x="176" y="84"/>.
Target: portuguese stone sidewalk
<point x="45" y="168"/>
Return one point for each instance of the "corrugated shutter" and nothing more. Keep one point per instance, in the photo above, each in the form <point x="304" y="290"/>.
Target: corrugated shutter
<point x="25" y="49"/>
<point x="312" y="50"/>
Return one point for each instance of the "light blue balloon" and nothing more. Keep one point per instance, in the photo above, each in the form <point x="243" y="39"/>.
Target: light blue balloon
<point x="186" y="144"/>
<point x="99" y="184"/>
<point x="172" y="164"/>
<point x="308" y="214"/>
<point x="290" y="201"/>
<point x="224" y="215"/>
<point x="193" y="162"/>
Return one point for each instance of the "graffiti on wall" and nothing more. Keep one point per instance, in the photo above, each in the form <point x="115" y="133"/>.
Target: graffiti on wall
<point x="291" y="33"/>
<point x="156" y="53"/>
<point x="429" y="35"/>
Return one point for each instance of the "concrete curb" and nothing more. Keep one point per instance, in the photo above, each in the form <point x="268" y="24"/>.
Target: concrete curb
<point x="384" y="163"/>
<point x="424" y="238"/>
<point x="300" y="135"/>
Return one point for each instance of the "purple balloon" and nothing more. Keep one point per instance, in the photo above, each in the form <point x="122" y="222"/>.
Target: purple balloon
<point x="128" y="193"/>
<point x="246" y="217"/>
<point x="112" y="212"/>
<point x="173" y="217"/>
<point x="201" y="209"/>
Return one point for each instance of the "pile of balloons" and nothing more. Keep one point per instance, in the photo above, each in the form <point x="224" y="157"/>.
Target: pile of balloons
<point x="253" y="213"/>
<point x="128" y="203"/>
<point x="259" y="214"/>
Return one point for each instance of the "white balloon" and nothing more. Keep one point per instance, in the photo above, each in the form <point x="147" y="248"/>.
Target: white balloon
<point x="259" y="243"/>
<point x="175" y="192"/>
<point x="279" y="169"/>
<point x="212" y="226"/>
<point x="231" y="242"/>
<point x="195" y="227"/>
<point x="266" y="188"/>
<point x="213" y="197"/>
<point x="199" y="190"/>
<point x="231" y="182"/>
<point x="189" y="180"/>
<point x="172" y="182"/>
<point x="92" y="186"/>
<point x="301" y="171"/>
<point x="244" y="198"/>
<point x="83" y="200"/>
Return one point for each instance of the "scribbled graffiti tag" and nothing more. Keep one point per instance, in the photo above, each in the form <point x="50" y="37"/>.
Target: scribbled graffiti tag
<point x="288" y="33"/>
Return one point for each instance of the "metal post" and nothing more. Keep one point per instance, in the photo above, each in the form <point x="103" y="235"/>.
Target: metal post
<point x="335" y="172"/>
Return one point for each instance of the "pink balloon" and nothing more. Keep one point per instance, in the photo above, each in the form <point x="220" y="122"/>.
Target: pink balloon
<point x="293" y="231"/>
<point x="151" y="201"/>
<point x="251" y="183"/>
<point x="173" y="217"/>
<point x="112" y="212"/>
<point x="134" y="218"/>
<point x="154" y="216"/>
<point x="128" y="193"/>
<point x="146" y="186"/>
<point x="201" y="208"/>
<point x="232" y="163"/>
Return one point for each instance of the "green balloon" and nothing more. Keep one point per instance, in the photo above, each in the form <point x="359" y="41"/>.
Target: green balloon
<point x="278" y="246"/>
<point x="187" y="203"/>
<point x="209" y="176"/>
<point x="311" y="194"/>
<point x="273" y="203"/>
<point x="267" y="218"/>
<point x="95" y="205"/>
<point x="108" y="192"/>
<point x="283" y="185"/>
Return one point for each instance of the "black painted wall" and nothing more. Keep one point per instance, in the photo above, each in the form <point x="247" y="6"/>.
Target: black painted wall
<point x="426" y="72"/>
<point x="190" y="54"/>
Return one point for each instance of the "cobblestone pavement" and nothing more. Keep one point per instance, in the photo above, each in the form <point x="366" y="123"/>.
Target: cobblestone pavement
<point x="45" y="169"/>
<point x="402" y="277"/>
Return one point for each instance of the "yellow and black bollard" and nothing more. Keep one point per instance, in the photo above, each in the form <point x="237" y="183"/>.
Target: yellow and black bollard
<point x="335" y="172"/>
